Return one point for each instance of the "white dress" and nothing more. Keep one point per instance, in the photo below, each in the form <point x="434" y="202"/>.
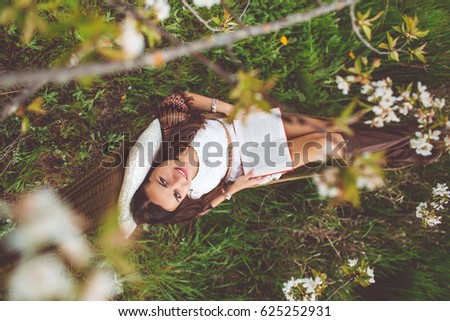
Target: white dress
<point x="211" y="145"/>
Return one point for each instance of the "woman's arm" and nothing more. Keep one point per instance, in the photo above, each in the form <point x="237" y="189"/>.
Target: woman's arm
<point x="243" y="182"/>
<point x="204" y="103"/>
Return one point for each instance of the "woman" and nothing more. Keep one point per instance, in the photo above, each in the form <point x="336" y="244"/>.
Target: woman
<point x="176" y="184"/>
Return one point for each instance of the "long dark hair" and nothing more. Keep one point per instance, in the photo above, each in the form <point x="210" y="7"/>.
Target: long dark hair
<point x="176" y="138"/>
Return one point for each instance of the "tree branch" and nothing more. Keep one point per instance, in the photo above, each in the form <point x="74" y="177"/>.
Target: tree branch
<point x="338" y="289"/>
<point x="174" y="41"/>
<point x="245" y="9"/>
<point x="197" y="15"/>
<point x="18" y="100"/>
<point x="157" y="57"/>
<point x="363" y="40"/>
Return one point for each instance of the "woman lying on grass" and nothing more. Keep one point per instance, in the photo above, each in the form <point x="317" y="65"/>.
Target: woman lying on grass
<point x="166" y="178"/>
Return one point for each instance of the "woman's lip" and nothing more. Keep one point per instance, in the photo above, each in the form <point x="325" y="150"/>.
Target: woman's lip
<point x="183" y="171"/>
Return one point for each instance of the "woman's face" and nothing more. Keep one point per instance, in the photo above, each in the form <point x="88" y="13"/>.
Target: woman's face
<point x="169" y="183"/>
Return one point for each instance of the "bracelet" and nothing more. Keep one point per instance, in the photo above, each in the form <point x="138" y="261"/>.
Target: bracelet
<point x="227" y="194"/>
<point x="214" y="104"/>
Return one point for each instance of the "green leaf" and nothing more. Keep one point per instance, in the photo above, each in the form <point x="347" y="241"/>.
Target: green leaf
<point x="422" y="34"/>
<point x="420" y="56"/>
<point x="379" y="14"/>
<point x="366" y="15"/>
<point x="8" y="15"/>
<point x="390" y="40"/>
<point x="415" y="21"/>
<point x="409" y="88"/>
<point x="368" y="32"/>
<point x="35" y="106"/>
<point x="383" y="45"/>
<point x="217" y="21"/>
<point x="394" y="42"/>
<point x="394" y="56"/>
<point x="25" y="126"/>
<point x="397" y="28"/>
<point x="409" y="23"/>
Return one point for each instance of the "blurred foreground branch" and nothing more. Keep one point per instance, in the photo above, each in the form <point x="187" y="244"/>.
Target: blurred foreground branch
<point x="159" y="57"/>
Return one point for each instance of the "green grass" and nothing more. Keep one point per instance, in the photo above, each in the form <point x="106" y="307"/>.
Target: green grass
<point x="246" y="248"/>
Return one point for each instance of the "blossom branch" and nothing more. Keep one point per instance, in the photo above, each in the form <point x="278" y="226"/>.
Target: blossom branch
<point x="197" y="15"/>
<point x="157" y="57"/>
<point x="174" y="41"/>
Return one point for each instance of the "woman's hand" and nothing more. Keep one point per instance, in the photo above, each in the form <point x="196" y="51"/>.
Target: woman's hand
<point x="245" y="181"/>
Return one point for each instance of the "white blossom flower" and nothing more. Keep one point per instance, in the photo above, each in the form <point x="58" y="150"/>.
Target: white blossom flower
<point x="434" y="135"/>
<point x="421" y="210"/>
<point x="327" y="191"/>
<point x="379" y="83"/>
<point x="206" y="3"/>
<point x="406" y="107"/>
<point x="377" y="110"/>
<point x="418" y="140"/>
<point x="287" y="288"/>
<point x="447" y="141"/>
<point x="352" y="262"/>
<point x="371" y="182"/>
<point x="377" y="122"/>
<point x="433" y="221"/>
<point x="131" y="40"/>
<point x="342" y="85"/>
<point x="421" y="144"/>
<point x="391" y="116"/>
<point x="366" y="89"/>
<point x="387" y="101"/>
<point x="437" y="206"/>
<point x="370" y="273"/>
<point x="447" y="124"/>
<point x="424" y="95"/>
<point x="350" y="78"/>
<point x="439" y="103"/>
<point x="383" y="92"/>
<point x="41" y="278"/>
<point x="104" y="284"/>
<point x="161" y="8"/>
<point x="420" y="87"/>
<point x="45" y="220"/>
<point x="326" y="183"/>
<point x="310" y="284"/>
<point x="424" y="149"/>
<point x="441" y="190"/>
<point x="425" y="99"/>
